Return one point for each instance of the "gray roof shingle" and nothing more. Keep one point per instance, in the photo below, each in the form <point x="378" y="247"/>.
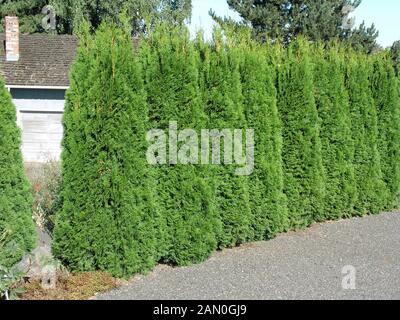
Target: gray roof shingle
<point x="45" y="60"/>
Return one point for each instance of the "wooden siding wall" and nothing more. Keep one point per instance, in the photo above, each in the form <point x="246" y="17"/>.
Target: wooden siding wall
<point x="39" y="115"/>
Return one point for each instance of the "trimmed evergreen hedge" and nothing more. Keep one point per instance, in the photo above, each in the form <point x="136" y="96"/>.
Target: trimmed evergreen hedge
<point x="302" y="156"/>
<point x="266" y="196"/>
<point x="107" y="218"/>
<point x="326" y="124"/>
<point x="224" y="108"/>
<point x="337" y="143"/>
<point x="371" y="189"/>
<point x="185" y="198"/>
<point x="17" y="230"/>
<point x="387" y="101"/>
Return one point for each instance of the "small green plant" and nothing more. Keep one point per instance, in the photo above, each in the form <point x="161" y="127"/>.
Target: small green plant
<point x="46" y="183"/>
<point x="11" y="280"/>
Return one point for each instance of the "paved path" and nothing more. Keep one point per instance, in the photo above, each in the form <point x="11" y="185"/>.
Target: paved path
<point x="301" y="265"/>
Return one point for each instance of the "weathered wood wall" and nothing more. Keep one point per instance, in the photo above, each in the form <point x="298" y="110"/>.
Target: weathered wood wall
<point x="39" y="115"/>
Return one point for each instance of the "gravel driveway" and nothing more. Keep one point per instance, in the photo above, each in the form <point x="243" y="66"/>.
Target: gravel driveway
<point x="297" y="265"/>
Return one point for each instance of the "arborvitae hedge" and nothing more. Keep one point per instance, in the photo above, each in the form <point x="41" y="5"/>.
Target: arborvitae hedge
<point x="224" y="108"/>
<point x="106" y="220"/>
<point x="371" y="189"/>
<point x="267" y="200"/>
<point x="324" y="147"/>
<point x="17" y="231"/>
<point x="387" y="101"/>
<point x="336" y="136"/>
<point x="184" y="195"/>
<point x="302" y="158"/>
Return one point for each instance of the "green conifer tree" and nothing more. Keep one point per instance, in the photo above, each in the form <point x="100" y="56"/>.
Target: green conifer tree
<point x="184" y="193"/>
<point x="387" y="101"/>
<point x="107" y="217"/>
<point x="303" y="170"/>
<point x="224" y="108"/>
<point x="372" y="192"/>
<point x="336" y="136"/>
<point x="267" y="201"/>
<point x="17" y="230"/>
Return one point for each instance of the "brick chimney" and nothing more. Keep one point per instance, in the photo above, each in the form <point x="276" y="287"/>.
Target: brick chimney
<point x="12" y="38"/>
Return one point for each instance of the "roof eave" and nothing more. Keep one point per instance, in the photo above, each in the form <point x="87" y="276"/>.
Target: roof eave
<point x="12" y="86"/>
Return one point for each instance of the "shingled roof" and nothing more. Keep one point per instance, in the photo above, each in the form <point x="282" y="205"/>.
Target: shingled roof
<point x="45" y="60"/>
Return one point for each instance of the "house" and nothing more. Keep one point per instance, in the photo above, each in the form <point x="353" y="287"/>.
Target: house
<point x="36" y="71"/>
<point x="35" y="68"/>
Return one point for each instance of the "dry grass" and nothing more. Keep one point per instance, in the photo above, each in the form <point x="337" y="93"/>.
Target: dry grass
<point x="81" y="286"/>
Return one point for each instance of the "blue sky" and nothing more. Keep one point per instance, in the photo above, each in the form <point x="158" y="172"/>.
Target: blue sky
<point x="384" y="13"/>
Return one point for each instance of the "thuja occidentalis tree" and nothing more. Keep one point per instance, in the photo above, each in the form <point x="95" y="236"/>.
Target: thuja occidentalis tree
<point x="107" y="218"/>
<point x="302" y="157"/>
<point x="371" y="189"/>
<point x="267" y="200"/>
<point x="184" y="191"/>
<point x="336" y="135"/>
<point x="17" y="230"/>
<point x="387" y="102"/>
<point x="224" y="107"/>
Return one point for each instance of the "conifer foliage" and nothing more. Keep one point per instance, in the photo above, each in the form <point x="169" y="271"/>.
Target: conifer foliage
<point x="224" y="107"/>
<point x="302" y="157"/>
<point x="184" y="196"/>
<point x="326" y="129"/>
<point x="387" y="102"/>
<point x="372" y="192"/>
<point x="267" y="200"/>
<point x="337" y="144"/>
<point x="107" y="217"/>
<point x="17" y="231"/>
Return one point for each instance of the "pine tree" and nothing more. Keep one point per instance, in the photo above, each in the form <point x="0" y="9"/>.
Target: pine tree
<point x="387" y="101"/>
<point x="70" y="13"/>
<point x="303" y="170"/>
<point x="317" y="20"/>
<point x="224" y="108"/>
<point x="372" y="193"/>
<point x="29" y="13"/>
<point x="142" y="13"/>
<point x="17" y="230"/>
<point x="336" y="136"/>
<point x="267" y="201"/>
<point x="184" y="193"/>
<point x="107" y="216"/>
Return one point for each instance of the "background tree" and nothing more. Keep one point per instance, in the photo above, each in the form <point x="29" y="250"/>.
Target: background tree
<point x="29" y="13"/>
<point x="314" y="19"/>
<point x="70" y="13"/>
<point x="363" y="39"/>
<point x="17" y="230"/>
<point x="175" y="11"/>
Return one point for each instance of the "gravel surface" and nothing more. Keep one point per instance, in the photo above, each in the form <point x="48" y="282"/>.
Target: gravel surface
<point x="298" y="265"/>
